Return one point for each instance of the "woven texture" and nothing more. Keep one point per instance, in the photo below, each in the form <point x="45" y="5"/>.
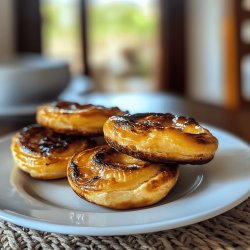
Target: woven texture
<point x="230" y="230"/>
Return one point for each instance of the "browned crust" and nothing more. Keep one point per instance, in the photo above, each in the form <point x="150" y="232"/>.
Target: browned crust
<point x="143" y="123"/>
<point x="174" y="172"/>
<point x="99" y="161"/>
<point x="65" y="107"/>
<point x="154" y="157"/>
<point x="48" y="114"/>
<point x="44" y="154"/>
<point x="166" y="174"/>
<point x="155" y="120"/>
<point x="44" y="141"/>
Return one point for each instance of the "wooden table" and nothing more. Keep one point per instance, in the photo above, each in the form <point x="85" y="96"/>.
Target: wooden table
<point x="235" y="121"/>
<point x="227" y="231"/>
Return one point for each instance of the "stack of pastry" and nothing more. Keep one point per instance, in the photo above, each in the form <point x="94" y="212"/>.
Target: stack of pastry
<point x="137" y="167"/>
<point x="43" y="150"/>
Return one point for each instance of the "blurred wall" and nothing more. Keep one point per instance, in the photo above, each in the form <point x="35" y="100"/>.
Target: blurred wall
<point x="6" y="28"/>
<point x="205" y="50"/>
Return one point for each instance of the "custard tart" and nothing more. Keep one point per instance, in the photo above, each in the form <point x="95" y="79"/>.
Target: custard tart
<point x="164" y="138"/>
<point x="45" y="154"/>
<point x="108" y="178"/>
<point x="73" y="118"/>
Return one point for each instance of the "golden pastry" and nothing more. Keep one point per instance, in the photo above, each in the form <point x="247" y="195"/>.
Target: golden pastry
<point x="160" y="138"/>
<point x="106" y="177"/>
<point x="73" y="118"/>
<point x="43" y="153"/>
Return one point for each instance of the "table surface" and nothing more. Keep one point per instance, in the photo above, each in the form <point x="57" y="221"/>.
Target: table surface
<point x="229" y="230"/>
<point x="235" y="121"/>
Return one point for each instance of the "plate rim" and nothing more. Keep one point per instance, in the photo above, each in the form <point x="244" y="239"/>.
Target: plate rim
<point x="109" y="230"/>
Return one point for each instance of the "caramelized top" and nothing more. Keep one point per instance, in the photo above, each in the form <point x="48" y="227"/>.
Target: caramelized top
<point x="109" y="158"/>
<point x="103" y="168"/>
<point x="38" y="139"/>
<point x="148" y="121"/>
<point x="73" y="107"/>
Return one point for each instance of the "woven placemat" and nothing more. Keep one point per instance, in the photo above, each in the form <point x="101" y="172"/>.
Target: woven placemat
<point x="230" y="230"/>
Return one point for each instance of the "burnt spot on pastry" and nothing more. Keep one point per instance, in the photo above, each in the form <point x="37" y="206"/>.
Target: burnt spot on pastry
<point x="172" y="169"/>
<point x="80" y="177"/>
<point x="38" y="139"/>
<point x="103" y="158"/>
<point x="134" y="122"/>
<point x="90" y="181"/>
<point x="74" y="170"/>
<point x="202" y="138"/>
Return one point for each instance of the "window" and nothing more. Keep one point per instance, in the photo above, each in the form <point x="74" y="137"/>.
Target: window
<point x="122" y="38"/>
<point x="61" y="31"/>
<point x="122" y="43"/>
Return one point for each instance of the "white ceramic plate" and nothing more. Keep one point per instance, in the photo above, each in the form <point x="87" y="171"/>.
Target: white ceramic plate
<point x="201" y="193"/>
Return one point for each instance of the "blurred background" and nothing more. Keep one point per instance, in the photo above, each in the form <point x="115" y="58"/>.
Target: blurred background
<point x="196" y="49"/>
